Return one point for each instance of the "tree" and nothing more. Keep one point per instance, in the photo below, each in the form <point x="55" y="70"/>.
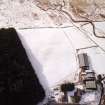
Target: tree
<point x="67" y="87"/>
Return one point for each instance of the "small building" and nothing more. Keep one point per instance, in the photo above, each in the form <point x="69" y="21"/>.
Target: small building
<point x="90" y="80"/>
<point x="83" y="61"/>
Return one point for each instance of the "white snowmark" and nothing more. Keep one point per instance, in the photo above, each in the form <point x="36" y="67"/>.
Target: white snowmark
<point x="53" y="52"/>
<point x="89" y="31"/>
<point x="79" y="40"/>
<point x="26" y="14"/>
<point x="91" y="98"/>
<point x="14" y="13"/>
<point x="53" y="55"/>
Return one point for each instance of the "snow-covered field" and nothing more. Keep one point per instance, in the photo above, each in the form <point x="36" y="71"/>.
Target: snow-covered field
<point x="53" y="51"/>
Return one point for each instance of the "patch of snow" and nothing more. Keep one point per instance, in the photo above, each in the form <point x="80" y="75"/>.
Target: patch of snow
<point x="53" y="52"/>
<point x="78" y="39"/>
<point x="90" y="98"/>
<point x="56" y="54"/>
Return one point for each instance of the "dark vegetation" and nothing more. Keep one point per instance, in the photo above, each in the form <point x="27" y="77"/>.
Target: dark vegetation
<point x="67" y="87"/>
<point x="19" y="84"/>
